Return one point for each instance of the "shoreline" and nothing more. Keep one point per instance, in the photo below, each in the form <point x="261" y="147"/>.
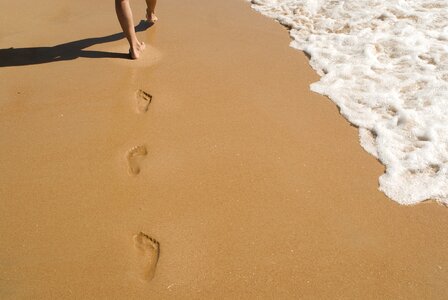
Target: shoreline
<point x="253" y="185"/>
<point x="353" y="66"/>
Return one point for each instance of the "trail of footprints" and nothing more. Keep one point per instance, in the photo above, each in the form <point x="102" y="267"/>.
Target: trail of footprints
<point x="148" y="249"/>
<point x="137" y="153"/>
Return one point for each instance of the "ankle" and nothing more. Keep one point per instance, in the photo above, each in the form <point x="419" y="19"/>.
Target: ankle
<point x="136" y="45"/>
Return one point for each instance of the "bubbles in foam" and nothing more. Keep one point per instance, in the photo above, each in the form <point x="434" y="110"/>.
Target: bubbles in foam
<point x="385" y="64"/>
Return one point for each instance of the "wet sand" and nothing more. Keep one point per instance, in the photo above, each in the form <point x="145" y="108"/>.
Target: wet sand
<point x="248" y="184"/>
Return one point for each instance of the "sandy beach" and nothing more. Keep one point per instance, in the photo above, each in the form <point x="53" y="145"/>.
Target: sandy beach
<point x="249" y="185"/>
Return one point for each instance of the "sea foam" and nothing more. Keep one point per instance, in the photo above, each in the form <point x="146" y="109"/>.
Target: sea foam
<point x="385" y="64"/>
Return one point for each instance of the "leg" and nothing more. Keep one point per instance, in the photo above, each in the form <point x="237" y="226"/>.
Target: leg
<point x="124" y="15"/>
<point x="150" y="11"/>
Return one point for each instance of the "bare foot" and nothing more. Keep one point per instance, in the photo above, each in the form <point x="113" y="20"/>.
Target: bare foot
<point x="151" y="16"/>
<point x="136" y="50"/>
<point x="149" y="250"/>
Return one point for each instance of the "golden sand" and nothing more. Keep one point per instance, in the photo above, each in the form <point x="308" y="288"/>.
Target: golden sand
<point x="207" y="169"/>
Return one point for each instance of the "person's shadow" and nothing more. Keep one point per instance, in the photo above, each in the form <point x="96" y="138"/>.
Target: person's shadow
<point x="68" y="51"/>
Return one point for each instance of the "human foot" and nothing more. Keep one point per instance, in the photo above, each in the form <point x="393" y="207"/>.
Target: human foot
<point x="136" y="50"/>
<point x="151" y="16"/>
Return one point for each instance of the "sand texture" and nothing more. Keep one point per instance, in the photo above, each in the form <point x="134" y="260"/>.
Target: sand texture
<point x="205" y="170"/>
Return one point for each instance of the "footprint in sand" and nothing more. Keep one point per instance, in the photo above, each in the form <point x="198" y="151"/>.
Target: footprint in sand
<point x="143" y="101"/>
<point x="133" y="157"/>
<point x="149" y="252"/>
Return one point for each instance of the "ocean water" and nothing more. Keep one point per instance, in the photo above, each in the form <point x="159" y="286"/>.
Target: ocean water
<point x="385" y="64"/>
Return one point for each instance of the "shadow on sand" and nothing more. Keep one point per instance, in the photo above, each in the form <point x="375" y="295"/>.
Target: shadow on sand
<point x="68" y="51"/>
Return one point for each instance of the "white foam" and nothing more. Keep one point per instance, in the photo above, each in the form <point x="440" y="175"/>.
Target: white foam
<point x="385" y="64"/>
